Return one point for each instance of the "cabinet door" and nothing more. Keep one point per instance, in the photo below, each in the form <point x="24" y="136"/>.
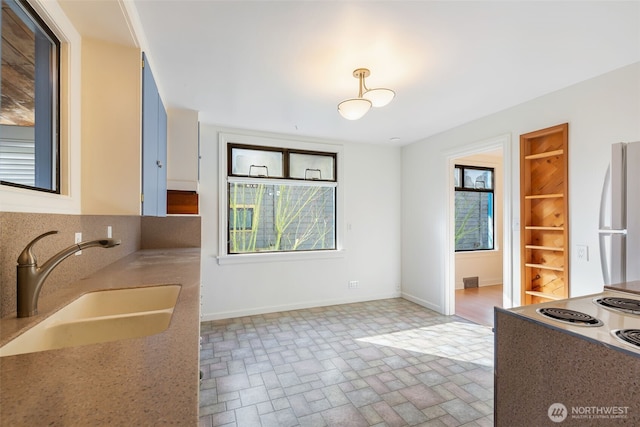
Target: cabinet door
<point x="154" y="147"/>
<point x="161" y="187"/>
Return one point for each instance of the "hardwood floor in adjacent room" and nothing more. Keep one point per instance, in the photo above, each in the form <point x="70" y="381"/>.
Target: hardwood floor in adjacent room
<point x="476" y="304"/>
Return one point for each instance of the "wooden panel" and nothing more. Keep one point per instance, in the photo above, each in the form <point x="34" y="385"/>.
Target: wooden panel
<point x="546" y="175"/>
<point x="548" y="282"/>
<point x="554" y="238"/>
<point x="545" y="140"/>
<point x="547" y="212"/>
<point x="182" y="202"/>
<point x="551" y="259"/>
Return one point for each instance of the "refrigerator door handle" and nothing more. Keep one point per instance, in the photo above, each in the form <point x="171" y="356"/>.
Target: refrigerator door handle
<point x="604" y="223"/>
<point x="605" y="201"/>
<point x="604" y="261"/>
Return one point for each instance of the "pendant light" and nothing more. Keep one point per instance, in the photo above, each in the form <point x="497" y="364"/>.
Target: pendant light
<point x="355" y="108"/>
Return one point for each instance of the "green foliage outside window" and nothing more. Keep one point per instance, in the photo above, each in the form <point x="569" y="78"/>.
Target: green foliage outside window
<point x="286" y="217"/>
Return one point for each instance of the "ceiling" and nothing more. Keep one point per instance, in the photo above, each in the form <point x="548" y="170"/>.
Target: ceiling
<point x="283" y="66"/>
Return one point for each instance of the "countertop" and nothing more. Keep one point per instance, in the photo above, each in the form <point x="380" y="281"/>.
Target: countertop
<point x="152" y="380"/>
<point x="631" y="287"/>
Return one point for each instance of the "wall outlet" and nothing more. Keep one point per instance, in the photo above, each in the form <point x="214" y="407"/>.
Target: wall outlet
<point x="582" y="252"/>
<point x="109" y="232"/>
<point x="78" y="239"/>
<point x="353" y="284"/>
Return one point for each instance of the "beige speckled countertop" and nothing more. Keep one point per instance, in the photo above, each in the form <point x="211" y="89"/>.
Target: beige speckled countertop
<point x="631" y="287"/>
<point x="151" y="380"/>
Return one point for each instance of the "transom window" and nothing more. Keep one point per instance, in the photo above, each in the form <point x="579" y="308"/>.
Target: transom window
<point x="474" y="208"/>
<point x="280" y="199"/>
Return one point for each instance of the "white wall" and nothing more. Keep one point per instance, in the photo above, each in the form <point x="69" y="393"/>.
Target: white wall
<point x="371" y="197"/>
<point x="599" y="111"/>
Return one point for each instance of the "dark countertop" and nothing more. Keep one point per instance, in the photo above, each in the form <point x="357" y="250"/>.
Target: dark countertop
<point x="151" y="380"/>
<point x="631" y="287"/>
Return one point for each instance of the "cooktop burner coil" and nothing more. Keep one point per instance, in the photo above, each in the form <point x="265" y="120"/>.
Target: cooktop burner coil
<point x="628" y="336"/>
<point x="625" y="305"/>
<point x="569" y="316"/>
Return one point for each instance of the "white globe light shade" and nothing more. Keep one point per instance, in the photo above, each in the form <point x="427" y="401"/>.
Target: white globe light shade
<point x="379" y="97"/>
<point x="354" y="108"/>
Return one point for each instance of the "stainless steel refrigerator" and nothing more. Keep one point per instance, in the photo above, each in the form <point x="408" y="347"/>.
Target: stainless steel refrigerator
<point x="620" y="215"/>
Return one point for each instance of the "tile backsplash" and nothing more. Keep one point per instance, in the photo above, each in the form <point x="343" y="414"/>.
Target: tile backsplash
<point x="18" y="229"/>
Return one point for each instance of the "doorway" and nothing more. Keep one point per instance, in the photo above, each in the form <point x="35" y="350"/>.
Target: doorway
<point x="489" y="270"/>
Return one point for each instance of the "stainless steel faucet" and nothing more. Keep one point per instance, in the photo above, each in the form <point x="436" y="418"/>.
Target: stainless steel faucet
<point x="30" y="277"/>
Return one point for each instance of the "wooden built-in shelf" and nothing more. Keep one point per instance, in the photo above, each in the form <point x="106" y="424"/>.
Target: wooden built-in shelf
<point x="544" y="155"/>
<point x="544" y="295"/>
<point x="544" y="267"/>
<point x="541" y="227"/>
<point x="544" y="196"/>
<point x="544" y="215"/>
<point x="544" y="248"/>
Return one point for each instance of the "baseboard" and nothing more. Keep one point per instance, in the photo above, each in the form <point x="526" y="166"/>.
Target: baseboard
<point x="423" y="303"/>
<point x="297" y="306"/>
<point x="482" y="282"/>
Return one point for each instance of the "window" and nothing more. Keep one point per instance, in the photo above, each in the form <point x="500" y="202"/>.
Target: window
<point x="29" y="110"/>
<point x="280" y="200"/>
<point x="474" y="208"/>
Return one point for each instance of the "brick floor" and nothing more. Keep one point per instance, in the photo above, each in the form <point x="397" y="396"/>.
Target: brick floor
<point x="379" y="363"/>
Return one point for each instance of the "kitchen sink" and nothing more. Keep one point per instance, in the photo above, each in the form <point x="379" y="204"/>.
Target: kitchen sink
<point x="100" y="316"/>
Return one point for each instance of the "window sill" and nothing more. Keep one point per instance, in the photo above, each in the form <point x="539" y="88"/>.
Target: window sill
<point x="278" y="257"/>
<point x="478" y="253"/>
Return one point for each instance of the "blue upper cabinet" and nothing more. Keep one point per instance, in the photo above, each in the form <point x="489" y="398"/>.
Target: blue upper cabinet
<point x="154" y="146"/>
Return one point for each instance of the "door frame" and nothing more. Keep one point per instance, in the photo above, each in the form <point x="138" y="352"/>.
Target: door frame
<point x="502" y="142"/>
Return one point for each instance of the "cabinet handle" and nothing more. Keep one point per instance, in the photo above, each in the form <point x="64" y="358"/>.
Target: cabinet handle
<point x="159" y="163"/>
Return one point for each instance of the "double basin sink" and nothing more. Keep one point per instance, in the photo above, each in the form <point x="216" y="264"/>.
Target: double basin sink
<point x="100" y="316"/>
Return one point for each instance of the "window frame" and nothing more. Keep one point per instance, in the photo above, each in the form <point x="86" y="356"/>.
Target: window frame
<point x="53" y="107"/>
<point x="461" y="188"/>
<point x="286" y="161"/>
<point x="274" y="142"/>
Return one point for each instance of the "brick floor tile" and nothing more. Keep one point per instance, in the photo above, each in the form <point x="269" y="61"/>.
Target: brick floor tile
<point x="385" y="363"/>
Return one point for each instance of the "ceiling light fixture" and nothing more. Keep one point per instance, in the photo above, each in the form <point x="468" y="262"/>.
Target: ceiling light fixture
<point x="355" y="108"/>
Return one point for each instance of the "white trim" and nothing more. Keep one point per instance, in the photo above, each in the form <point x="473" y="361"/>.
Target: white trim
<point x="279" y="181"/>
<point x="227" y="137"/>
<point x="499" y="142"/>
<point x="278" y="256"/>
